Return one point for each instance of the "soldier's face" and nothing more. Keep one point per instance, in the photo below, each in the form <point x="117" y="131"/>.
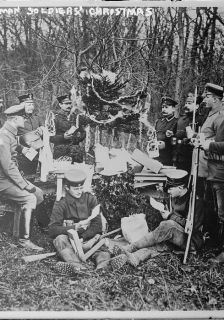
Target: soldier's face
<point x="75" y="192"/>
<point x="189" y="105"/>
<point x="167" y="110"/>
<point x="29" y="107"/>
<point x="208" y="99"/>
<point x="175" y="191"/>
<point x="20" y="121"/>
<point x="66" y="106"/>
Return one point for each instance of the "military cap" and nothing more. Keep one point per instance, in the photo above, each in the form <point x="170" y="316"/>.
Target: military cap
<point x="214" y="88"/>
<point x="17" y="110"/>
<point x="64" y="98"/>
<point x="169" y="101"/>
<point x="176" y="178"/>
<point x="26" y="98"/>
<point x="75" y="177"/>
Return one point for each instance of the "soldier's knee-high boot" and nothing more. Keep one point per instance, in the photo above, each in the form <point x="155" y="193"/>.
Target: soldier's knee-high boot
<point x="147" y="241"/>
<point x="68" y="255"/>
<point x="140" y="255"/>
<point x="102" y="259"/>
<point x="220" y="258"/>
<point x="133" y="258"/>
<point x="25" y="239"/>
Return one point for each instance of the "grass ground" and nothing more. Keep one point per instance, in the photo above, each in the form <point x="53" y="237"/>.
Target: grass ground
<point x="161" y="283"/>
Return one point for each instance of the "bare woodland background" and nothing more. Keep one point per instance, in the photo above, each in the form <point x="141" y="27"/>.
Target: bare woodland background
<point x="169" y="52"/>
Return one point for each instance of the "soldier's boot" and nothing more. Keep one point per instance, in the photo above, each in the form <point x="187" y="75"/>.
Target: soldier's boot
<point x="102" y="259"/>
<point x="70" y="257"/>
<point x="133" y="258"/>
<point x="218" y="260"/>
<point x="145" y="242"/>
<point x="25" y="241"/>
<point x="71" y="264"/>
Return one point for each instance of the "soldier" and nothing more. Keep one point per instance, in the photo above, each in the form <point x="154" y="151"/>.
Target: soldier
<point x="164" y="128"/>
<point x="213" y="102"/>
<point x="214" y="150"/>
<point x="182" y="147"/>
<point x="66" y="139"/>
<point x="12" y="185"/>
<point x="33" y="122"/>
<point x="171" y="229"/>
<point x="70" y="213"/>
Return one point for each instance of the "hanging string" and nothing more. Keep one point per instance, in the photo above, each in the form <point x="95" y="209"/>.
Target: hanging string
<point x="140" y="131"/>
<point x="77" y="120"/>
<point x="50" y="123"/>
<point x="97" y="135"/>
<point x="87" y="142"/>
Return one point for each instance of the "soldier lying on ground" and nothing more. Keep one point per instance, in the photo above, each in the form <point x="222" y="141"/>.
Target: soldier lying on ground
<point x="69" y="213"/>
<point x="171" y="229"/>
<point x="12" y="185"/>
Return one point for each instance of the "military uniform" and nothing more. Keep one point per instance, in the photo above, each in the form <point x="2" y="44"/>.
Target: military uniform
<point x="182" y="150"/>
<point x="12" y="185"/>
<point x="68" y="212"/>
<point x="172" y="228"/>
<point x="32" y="122"/>
<point x="162" y="125"/>
<point x="63" y="122"/>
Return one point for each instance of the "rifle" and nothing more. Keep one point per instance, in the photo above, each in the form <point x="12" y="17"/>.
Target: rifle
<point x="190" y="217"/>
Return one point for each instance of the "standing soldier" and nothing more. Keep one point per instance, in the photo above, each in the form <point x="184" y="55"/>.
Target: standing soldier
<point x="12" y="185"/>
<point x="164" y="130"/>
<point x="183" y="148"/>
<point x="213" y="102"/>
<point x="67" y="134"/>
<point x="215" y="152"/>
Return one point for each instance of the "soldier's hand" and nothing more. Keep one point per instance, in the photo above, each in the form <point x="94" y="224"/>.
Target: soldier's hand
<point x="39" y="131"/>
<point x="67" y="136"/>
<point x="25" y="150"/>
<point x="161" y="145"/>
<point x="169" y="133"/>
<point x="30" y="188"/>
<point x="165" y="214"/>
<point x="189" y="132"/>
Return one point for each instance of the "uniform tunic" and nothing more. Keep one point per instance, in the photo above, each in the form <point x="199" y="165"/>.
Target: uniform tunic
<point x="161" y="126"/>
<point x="209" y="130"/>
<point x="31" y="123"/>
<point x="62" y="124"/>
<point x="12" y="184"/>
<point x="70" y="208"/>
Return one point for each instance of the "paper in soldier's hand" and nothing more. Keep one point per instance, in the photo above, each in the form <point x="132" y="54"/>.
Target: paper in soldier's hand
<point x="156" y="204"/>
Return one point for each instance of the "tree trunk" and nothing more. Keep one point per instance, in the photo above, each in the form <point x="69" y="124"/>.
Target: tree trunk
<point x="180" y="61"/>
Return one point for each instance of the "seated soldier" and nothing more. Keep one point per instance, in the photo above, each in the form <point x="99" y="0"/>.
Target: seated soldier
<point x="13" y="186"/>
<point x="68" y="213"/>
<point x="172" y="229"/>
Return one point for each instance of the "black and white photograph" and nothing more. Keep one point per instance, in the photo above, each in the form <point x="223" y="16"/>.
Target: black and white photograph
<point x="111" y="159"/>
